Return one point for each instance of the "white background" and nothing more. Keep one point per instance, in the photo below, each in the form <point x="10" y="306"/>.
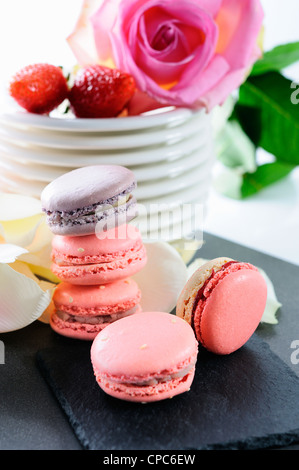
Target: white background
<point x="35" y="31"/>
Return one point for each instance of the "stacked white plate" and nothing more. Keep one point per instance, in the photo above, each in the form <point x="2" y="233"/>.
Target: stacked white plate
<point x="170" y="151"/>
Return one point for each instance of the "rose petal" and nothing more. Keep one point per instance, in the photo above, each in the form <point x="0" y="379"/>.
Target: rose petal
<point x="239" y="26"/>
<point x="9" y="253"/>
<point x="162" y="278"/>
<point x="22" y="301"/>
<point x="102" y="22"/>
<point x="81" y="40"/>
<point x="212" y="6"/>
<point x="147" y="69"/>
<point x="218" y="94"/>
<point x="213" y="75"/>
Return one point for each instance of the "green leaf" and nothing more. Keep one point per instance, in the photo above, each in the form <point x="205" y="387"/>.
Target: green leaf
<point x="277" y="59"/>
<point x="276" y="122"/>
<point x="250" y="120"/>
<point x="235" y="149"/>
<point x="264" y="176"/>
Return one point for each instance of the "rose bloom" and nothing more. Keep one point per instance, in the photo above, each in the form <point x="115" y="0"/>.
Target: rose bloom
<point x="190" y="53"/>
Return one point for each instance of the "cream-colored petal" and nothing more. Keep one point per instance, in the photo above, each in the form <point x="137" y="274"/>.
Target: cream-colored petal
<point x="21" y="231"/>
<point x="9" y="253"/>
<point x="41" y="258"/>
<point x="162" y="279"/>
<point x="273" y="305"/>
<point x="187" y="248"/>
<point x="16" y="206"/>
<point x="42" y="240"/>
<point x="22" y="301"/>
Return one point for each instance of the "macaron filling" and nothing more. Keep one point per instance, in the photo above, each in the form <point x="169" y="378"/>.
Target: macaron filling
<point x="153" y="384"/>
<point x="93" y="213"/>
<point x="94" y="319"/>
<point x="206" y="290"/>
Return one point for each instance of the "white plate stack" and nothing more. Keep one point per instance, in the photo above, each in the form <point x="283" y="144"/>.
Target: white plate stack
<point x="170" y="151"/>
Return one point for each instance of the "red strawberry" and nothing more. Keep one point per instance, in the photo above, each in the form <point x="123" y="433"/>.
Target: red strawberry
<point x="100" y="92"/>
<point x="39" y="88"/>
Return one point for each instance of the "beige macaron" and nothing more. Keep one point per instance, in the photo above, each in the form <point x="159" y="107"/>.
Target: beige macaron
<point x="186" y="300"/>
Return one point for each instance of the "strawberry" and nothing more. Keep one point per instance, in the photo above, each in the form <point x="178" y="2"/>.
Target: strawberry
<point x="100" y="92"/>
<point x="39" y="88"/>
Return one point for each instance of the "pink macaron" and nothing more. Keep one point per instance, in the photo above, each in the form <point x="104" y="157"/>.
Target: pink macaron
<point x="115" y="254"/>
<point x="83" y="311"/>
<point x="224" y="301"/>
<point x="145" y="358"/>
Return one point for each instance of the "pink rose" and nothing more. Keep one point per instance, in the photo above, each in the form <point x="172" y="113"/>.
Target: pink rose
<point x="190" y="53"/>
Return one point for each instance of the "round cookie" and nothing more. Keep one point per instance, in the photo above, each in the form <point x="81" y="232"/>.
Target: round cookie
<point x="89" y="260"/>
<point x="145" y="358"/>
<point x="83" y="311"/>
<point x="223" y="301"/>
<point x="90" y="199"/>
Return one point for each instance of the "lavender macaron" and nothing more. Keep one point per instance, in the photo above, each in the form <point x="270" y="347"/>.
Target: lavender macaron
<point x="90" y="199"/>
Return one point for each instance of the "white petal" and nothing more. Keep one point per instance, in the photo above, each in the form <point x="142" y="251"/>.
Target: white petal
<point x="9" y="253"/>
<point x="273" y="304"/>
<point x="162" y="279"/>
<point x="16" y="206"/>
<point x="42" y="239"/>
<point x="22" y="301"/>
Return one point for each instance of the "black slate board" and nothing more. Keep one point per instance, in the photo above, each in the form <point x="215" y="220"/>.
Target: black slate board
<point x="247" y="400"/>
<point x="31" y="416"/>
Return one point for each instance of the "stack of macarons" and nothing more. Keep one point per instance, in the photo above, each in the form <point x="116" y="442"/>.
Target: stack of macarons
<point x="95" y="250"/>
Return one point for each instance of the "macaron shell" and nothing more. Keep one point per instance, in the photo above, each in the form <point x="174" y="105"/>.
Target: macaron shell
<point x="149" y="394"/>
<point x="105" y="247"/>
<point x="76" y="330"/>
<point x="146" y="357"/>
<point x="86" y="186"/>
<point x="185" y="302"/>
<point x="103" y="273"/>
<point x="94" y="300"/>
<point x="232" y="312"/>
<point x="144" y="345"/>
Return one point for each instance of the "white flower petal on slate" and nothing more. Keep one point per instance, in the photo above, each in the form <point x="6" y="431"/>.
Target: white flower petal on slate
<point x="22" y="301"/>
<point x="272" y="305"/>
<point x="162" y="279"/>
